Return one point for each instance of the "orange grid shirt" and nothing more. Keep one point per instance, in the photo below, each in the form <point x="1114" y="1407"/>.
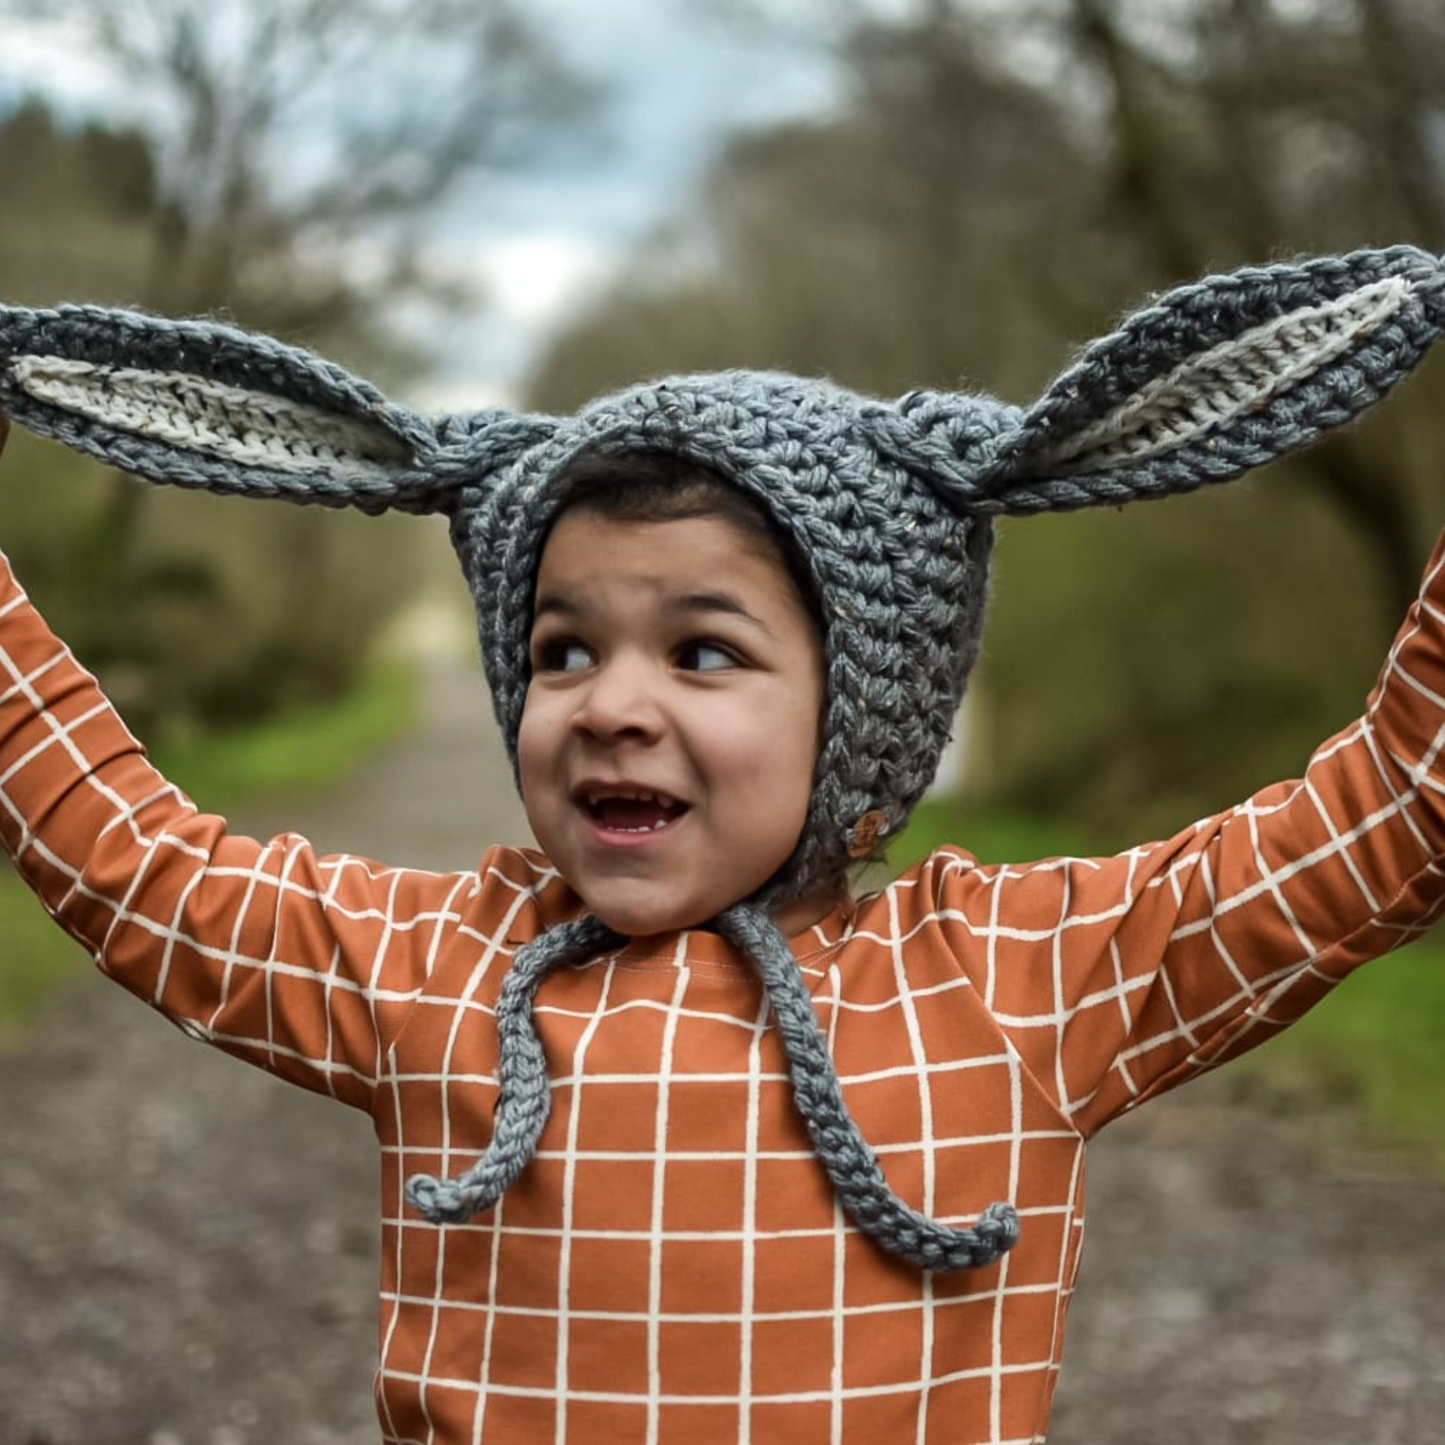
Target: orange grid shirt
<point x="672" y="1267"/>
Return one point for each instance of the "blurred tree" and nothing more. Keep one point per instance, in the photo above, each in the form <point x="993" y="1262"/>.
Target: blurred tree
<point x="890" y="244"/>
<point x="297" y="145"/>
<point x="278" y="164"/>
<point x="78" y="200"/>
<point x="1000" y="180"/>
<point x="1298" y="128"/>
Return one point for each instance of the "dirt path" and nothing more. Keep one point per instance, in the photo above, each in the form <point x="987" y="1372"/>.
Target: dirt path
<point x="187" y="1247"/>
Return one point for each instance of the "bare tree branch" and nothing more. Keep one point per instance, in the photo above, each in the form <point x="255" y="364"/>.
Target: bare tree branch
<point x="278" y="120"/>
<point x="812" y="24"/>
<point x="1415" y="103"/>
<point x="1143" y="166"/>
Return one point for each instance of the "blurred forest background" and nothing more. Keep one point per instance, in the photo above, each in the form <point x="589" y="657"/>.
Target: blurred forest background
<point x="291" y="154"/>
<point x="995" y="185"/>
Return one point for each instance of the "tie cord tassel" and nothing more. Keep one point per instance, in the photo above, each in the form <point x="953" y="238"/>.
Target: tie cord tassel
<point x="525" y="1101"/>
<point x="857" y="1178"/>
<point x="524" y="1104"/>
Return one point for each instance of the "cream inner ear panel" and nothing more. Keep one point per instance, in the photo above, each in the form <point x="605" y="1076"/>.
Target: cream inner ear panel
<point x="252" y="428"/>
<point x="1238" y="375"/>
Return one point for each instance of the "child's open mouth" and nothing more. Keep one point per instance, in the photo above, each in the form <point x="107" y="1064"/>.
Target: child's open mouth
<point x="638" y="811"/>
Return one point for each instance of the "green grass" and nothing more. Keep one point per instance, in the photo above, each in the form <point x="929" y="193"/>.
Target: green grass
<point x="1378" y="1041"/>
<point x="38" y="957"/>
<point x="305" y="748"/>
<point x="991" y="837"/>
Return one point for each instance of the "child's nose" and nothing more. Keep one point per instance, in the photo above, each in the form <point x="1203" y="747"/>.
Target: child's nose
<point x="621" y="700"/>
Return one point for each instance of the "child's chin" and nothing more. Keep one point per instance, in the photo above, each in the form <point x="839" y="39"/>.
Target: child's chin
<point x="646" y="919"/>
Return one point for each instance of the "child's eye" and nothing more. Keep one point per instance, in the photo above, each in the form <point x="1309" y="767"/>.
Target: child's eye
<point x="561" y="654"/>
<point x="705" y="656"/>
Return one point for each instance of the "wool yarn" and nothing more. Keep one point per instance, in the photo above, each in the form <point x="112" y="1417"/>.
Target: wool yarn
<point x="889" y="503"/>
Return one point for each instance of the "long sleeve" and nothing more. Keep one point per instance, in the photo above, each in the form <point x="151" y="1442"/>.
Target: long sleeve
<point x="302" y="964"/>
<point x="1117" y="978"/>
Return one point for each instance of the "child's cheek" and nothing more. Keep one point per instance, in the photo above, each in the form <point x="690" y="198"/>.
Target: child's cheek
<point x="536" y="755"/>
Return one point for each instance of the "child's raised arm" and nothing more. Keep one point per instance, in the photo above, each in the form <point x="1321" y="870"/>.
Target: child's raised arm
<point x="296" y="962"/>
<point x="1181" y="954"/>
<point x="889" y="508"/>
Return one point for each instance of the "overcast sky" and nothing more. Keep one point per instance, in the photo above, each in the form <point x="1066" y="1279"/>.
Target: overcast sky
<point x="675" y="84"/>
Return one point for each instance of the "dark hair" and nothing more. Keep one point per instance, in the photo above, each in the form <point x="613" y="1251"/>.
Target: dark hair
<point x="664" y="486"/>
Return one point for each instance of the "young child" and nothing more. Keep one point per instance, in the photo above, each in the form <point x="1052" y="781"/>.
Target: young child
<point x="679" y="1140"/>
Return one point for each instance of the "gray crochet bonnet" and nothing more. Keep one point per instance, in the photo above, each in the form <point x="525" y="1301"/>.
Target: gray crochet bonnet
<point x="889" y="504"/>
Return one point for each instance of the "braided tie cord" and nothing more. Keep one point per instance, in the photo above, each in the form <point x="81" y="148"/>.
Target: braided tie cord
<point x="525" y="1099"/>
<point x="852" y="1166"/>
<point x="524" y="1103"/>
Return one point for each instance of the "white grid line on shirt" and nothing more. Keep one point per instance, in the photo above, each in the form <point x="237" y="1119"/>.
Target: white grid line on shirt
<point x="717" y="1317"/>
<point x="746" y="1341"/>
<point x="657" y="1235"/>
<point x="780" y="1397"/>
<point x="1219" y="991"/>
<point x="572" y="1156"/>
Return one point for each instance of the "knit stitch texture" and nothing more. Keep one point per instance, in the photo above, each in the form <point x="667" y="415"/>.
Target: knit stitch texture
<point x="889" y="503"/>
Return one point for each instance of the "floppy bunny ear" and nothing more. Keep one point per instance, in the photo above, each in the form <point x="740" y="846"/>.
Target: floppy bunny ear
<point x="1218" y="377"/>
<point x="199" y="404"/>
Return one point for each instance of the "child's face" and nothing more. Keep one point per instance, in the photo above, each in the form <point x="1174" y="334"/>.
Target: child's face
<point x="671" y="726"/>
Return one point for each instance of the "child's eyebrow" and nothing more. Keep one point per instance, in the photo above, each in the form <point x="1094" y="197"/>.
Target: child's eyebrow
<point x="555" y="602"/>
<point x="564" y="604"/>
<point x="715" y="602"/>
<point x="710" y="603"/>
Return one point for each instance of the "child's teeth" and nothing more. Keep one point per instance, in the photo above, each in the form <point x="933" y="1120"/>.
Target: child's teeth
<point x="639" y="795"/>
